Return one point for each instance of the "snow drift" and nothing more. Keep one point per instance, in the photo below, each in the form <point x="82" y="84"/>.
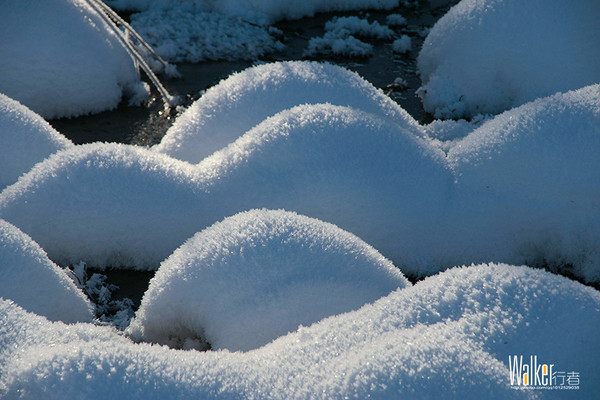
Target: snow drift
<point x="240" y="102"/>
<point x="448" y="336"/>
<point x="60" y="59"/>
<point x="343" y="166"/>
<point x="25" y="139"/>
<point x="253" y="277"/>
<point x="35" y="283"/>
<point x="489" y="56"/>
<point x="521" y="188"/>
<point x="528" y="184"/>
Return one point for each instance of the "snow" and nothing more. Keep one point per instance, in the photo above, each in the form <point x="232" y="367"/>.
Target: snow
<point x="31" y="280"/>
<point x="402" y="44"/>
<point x="261" y="92"/>
<point x="188" y="32"/>
<point x="487" y="56"/>
<point x="448" y="336"/>
<point x="193" y="30"/>
<point x="340" y="37"/>
<point x="395" y="20"/>
<point x="534" y="173"/>
<point x="253" y="277"/>
<point x="65" y="64"/>
<point x="141" y="205"/>
<point x="25" y="139"/>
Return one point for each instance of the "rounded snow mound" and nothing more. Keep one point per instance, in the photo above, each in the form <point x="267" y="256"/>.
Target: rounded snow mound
<point x="105" y="204"/>
<point x="25" y="139"/>
<point x="35" y="283"/>
<point x="109" y="204"/>
<point x="60" y="59"/>
<point x="492" y="55"/>
<point x="253" y="277"/>
<point x="238" y="103"/>
<point x="450" y="335"/>
<point x="533" y="172"/>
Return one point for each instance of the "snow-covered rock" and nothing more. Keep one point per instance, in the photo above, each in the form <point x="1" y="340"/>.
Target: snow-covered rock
<point x="25" y="139"/>
<point x="240" y="102"/>
<point x="60" y="59"/>
<point x="487" y="56"/>
<point x="258" y="275"/>
<point x="111" y="204"/>
<point x="528" y="185"/>
<point x="35" y="283"/>
<point x="449" y="336"/>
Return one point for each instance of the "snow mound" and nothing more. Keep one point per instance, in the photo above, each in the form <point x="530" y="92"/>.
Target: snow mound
<point x="402" y="45"/>
<point x="238" y="103"/>
<point x="67" y="63"/>
<point x="122" y="205"/>
<point x="25" y="139"/>
<point x="35" y="283"/>
<point x="451" y="335"/>
<point x="489" y="56"/>
<point x="533" y="171"/>
<point x="253" y="277"/>
<point x="105" y="204"/>
<point x="340" y="37"/>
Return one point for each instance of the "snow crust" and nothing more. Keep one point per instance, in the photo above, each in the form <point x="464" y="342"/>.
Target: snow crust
<point x="262" y="91"/>
<point x="487" y="56"/>
<point x="253" y="277"/>
<point x="25" y="139"/>
<point x="448" y="336"/>
<point x="61" y="60"/>
<point x="31" y="280"/>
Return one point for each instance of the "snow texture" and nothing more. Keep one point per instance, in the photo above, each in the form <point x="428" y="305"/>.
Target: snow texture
<point x="449" y="336"/>
<point x="253" y="277"/>
<point x="25" y="139"/>
<point x="35" y="283"/>
<point x="197" y="30"/>
<point x="402" y="44"/>
<point x="534" y="174"/>
<point x="343" y="166"/>
<point x="188" y="32"/>
<point x="261" y="92"/>
<point x="487" y="56"/>
<point x="339" y="38"/>
<point x="61" y="60"/>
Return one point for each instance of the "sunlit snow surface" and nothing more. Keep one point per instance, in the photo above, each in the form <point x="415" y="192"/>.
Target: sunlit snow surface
<point x="449" y="336"/>
<point x="363" y="185"/>
<point x="245" y="281"/>
<point x="25" y="139"/>
<point x="34" y="282"/>
<point x="484" y="57"/>
<point x="60" y="59"/>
